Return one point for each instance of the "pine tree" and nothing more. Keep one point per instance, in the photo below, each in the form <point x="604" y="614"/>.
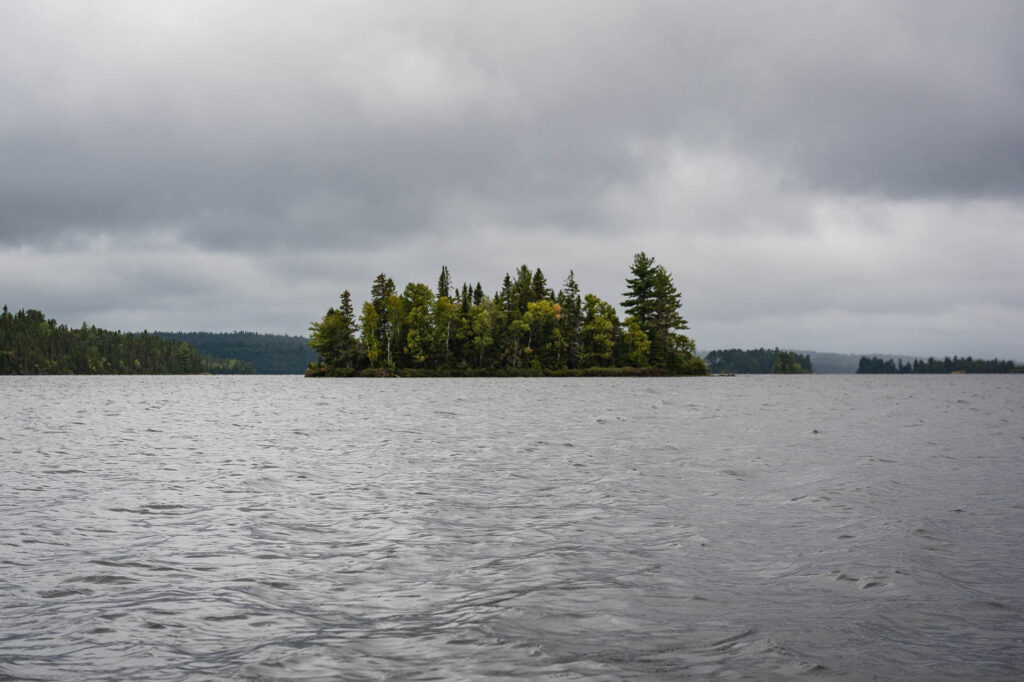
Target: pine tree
<point x="639" y="297"/>
<point x="654" y="302"/>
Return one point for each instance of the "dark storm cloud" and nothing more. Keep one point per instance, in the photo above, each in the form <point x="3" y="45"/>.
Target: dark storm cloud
<point x="137" y="120"/>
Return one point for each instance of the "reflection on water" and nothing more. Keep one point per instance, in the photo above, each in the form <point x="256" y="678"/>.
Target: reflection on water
<point x="281" y="528"/>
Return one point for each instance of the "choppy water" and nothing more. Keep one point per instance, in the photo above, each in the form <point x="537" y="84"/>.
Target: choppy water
<point x="279" y="528"/>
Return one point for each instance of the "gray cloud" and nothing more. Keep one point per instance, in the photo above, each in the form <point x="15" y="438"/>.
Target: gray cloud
<point x="305" y="147"/>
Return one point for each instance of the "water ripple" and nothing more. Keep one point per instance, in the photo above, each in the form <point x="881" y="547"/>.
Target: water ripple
<point x="198" y="528"/>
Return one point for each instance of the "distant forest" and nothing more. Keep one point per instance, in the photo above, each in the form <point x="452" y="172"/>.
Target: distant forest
<point x="968" y="365"/>
<point x="759" y="361"/>
<point x="249" y="352"/>
<point x="525" y="328"/>
<point x="32" y="344"/>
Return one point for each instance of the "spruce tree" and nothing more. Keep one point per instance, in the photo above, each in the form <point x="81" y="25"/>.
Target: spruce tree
<point x="444" y="283"/>
<point x="540" y="286"/>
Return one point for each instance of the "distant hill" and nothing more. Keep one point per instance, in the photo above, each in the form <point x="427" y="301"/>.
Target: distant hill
<point x="268" y="353"/>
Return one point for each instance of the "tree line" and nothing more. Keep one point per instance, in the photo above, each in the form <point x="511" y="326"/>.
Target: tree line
<point x="525" y="328"/>
<point x="250" y="352"/>
<point x="32" y="344"/>
<point x="968" y="365"/>
<point x="758" y="361"/>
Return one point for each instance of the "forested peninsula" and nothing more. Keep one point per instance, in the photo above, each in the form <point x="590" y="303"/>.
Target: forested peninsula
<point x="525" y="329"/>
<point x="32" y="344"/>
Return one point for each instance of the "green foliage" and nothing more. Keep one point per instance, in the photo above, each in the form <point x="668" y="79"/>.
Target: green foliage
<point x="651" y="298"/>
<point x="788" y="363"/>
<point x="570" y="324"/>
<point x="32" y="344"/>
<point x="227" y="366"/>
<point x="759" y="361"/>
<point x="636" y="344"/>
<point x="333" y="338"/>
<point x="264" y="353"/>
<point x="444" y="283"/>
<point x="526" y="329"/>
<point x="600" y="325"/>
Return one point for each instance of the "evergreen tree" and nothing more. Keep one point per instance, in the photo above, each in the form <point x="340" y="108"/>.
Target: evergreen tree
<point x="540" y="287"/>
<point x="639" y="300"/>
<point x="333" y="338"/>
<point x="444" y="283"/>
<point x="652" y="300"/>
<point x="506" y="297"/>
<point x="32" y="344"/>
<point x="572" y="319"/>
<point x="387" y="307"/>
<point x="523" y="289"/>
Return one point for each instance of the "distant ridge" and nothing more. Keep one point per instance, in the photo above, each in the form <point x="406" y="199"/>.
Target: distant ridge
<point x="268" y="353"/>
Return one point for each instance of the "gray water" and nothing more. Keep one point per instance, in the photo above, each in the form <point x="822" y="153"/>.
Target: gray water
<point x="192" y="528"/>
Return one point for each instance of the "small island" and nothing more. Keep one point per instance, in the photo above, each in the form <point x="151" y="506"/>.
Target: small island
<point x="524" y="329"/>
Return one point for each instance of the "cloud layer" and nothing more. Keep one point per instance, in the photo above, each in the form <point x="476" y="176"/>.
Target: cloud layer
<point x="833" y="176"/>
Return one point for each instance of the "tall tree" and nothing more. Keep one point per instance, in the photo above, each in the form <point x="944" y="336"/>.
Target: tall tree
<point x="333" y="338"/>
<point x="523" y="288"/>
<point x="444" y="283"/>
<point x="382" y="295"/>
<point x="540" y="286"/>
<point x="506" y="297"/>
<point x="653" y="301"/>
<point x="446" y="323"/>
<point x="419" y="334"/>
<point x="572" y="319"/>
<point x="639" y="296"/>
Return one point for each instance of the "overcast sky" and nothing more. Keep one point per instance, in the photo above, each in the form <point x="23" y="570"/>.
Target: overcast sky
<point x="833" y="176"/>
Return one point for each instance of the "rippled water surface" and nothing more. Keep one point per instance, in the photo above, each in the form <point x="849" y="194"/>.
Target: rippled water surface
<point x="199" y="528"/>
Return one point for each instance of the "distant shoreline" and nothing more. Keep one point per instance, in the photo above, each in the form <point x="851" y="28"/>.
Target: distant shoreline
<point x="318" y="372"/>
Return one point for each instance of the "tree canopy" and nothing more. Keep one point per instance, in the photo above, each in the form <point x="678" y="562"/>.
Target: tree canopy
<point x="32" y="344"/>
<point x="526" y="327"/>
<point x="758" y="361"/>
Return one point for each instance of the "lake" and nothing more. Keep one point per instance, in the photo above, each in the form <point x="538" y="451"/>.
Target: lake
<point x="752" y="527"/>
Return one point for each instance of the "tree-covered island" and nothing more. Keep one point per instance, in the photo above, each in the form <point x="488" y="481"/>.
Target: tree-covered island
<point x="525" y="329"/>
<point x="759" y="361"/>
